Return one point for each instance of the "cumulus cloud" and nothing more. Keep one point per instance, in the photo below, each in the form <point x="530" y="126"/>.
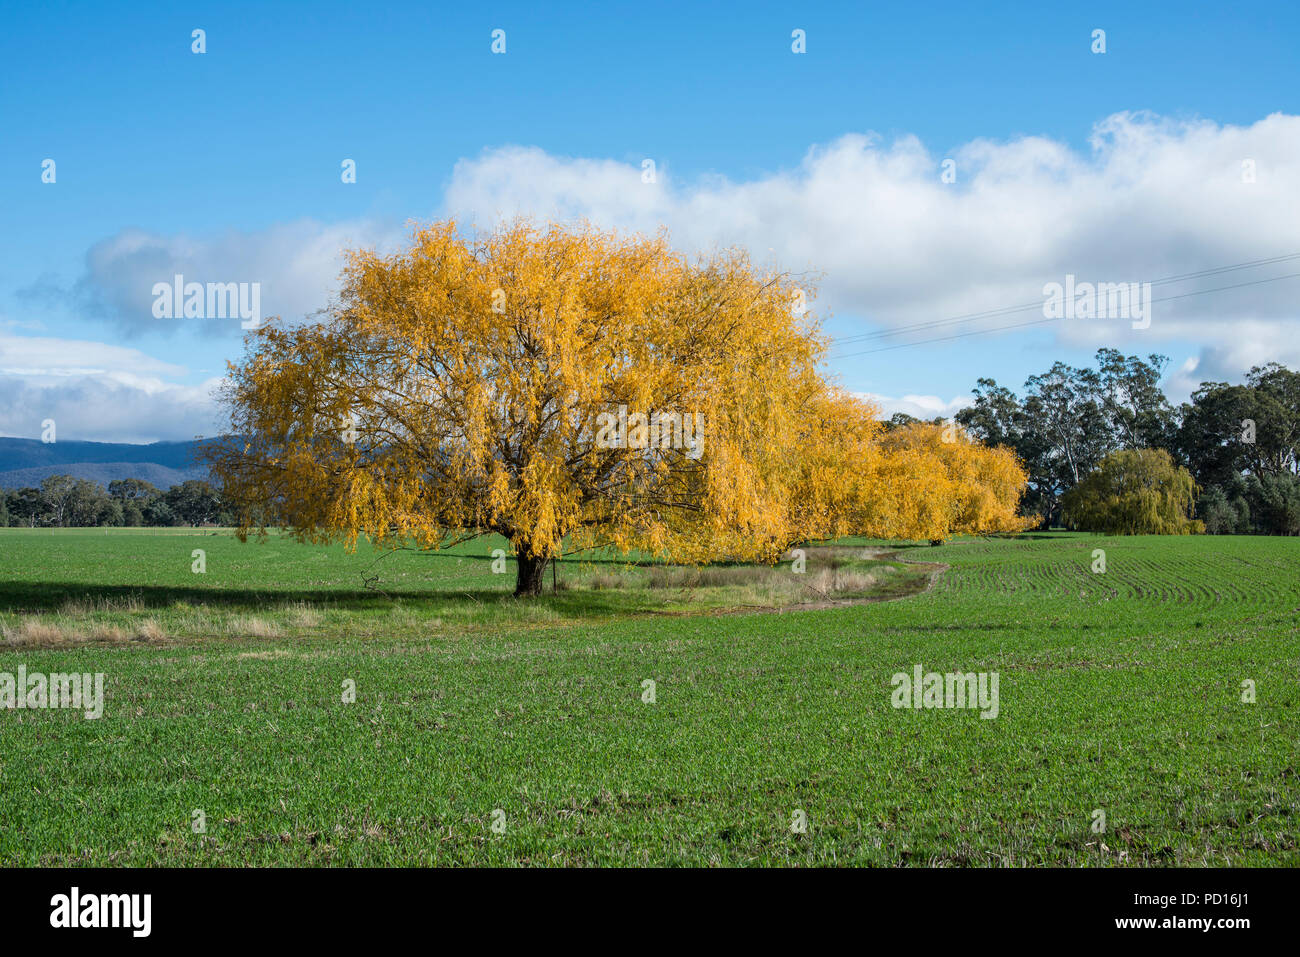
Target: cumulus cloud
<point x="1150" y="198"/>
<point x="295" y="265"/>
<point x="99" y="392"/>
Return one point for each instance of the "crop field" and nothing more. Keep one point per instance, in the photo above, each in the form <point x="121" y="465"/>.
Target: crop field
<point x="1148" y="713"/>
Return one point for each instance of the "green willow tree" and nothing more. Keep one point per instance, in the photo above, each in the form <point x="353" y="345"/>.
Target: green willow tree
<point x="1134" y="492"/>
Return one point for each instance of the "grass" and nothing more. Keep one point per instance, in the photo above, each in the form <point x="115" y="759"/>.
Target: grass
<point x="75" y="586"/>
<point x="1120" y="692"/>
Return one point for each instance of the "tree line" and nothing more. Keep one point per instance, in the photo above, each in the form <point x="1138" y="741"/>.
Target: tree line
<point x="1240" y="444"/>
<point x="64" y="501"/>
<point x="1072" y="429"/>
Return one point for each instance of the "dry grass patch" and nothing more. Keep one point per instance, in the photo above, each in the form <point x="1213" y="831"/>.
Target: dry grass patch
<point x="252" y="627"/>
<point x="37" y="632"/>
<point x="677" y="576"/>
<point x="30" y="632"/>
<point x="112" y="634"/>
<point x="299" y="614"/>
<point x="841" y="580"/>
<point x="604" y="580"/>
<point x="93" y="604"/>
<point x="150" y="630"/>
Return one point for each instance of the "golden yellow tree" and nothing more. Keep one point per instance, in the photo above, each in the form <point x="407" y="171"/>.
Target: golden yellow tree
<point x="822" y="473"/>
<point x="550" y="385"/>
<point x="841" y="473"/>
<point x="930" y="481"/>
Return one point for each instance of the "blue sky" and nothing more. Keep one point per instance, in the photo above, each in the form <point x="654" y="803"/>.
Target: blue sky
<point x="1117" y="167"/>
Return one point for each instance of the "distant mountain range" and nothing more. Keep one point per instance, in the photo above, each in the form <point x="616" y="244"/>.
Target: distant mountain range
<point x="25" y="462"/>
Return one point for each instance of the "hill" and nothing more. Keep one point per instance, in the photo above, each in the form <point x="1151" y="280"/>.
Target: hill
<point x="26" y="462"/>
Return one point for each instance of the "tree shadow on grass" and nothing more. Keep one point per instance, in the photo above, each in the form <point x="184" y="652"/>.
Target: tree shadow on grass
<point x="36" y="597"/>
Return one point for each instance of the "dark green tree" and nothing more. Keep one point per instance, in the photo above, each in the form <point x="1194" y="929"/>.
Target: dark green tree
<point x="194" y="502"/>
<point x="1134" y="492"/>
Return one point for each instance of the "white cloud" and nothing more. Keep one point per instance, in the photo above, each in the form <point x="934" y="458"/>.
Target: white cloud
<point x="49" y="356"/>
<point x="1151" y="198"/>
<point x="296" y="265"/>
<point x="918" y="406"/>
<point x="99" y="392"/>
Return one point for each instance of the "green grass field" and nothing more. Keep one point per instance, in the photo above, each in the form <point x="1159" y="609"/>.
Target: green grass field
<point x="1119" y="692"/>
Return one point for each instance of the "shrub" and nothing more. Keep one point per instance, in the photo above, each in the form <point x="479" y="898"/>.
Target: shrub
<point x="1224" y="515"/>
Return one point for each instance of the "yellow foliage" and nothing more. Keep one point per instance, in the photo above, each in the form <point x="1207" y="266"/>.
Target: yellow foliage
<point x="467" y="385"/>
<point x="456" y="388"/>
<point x="930" y="481"/>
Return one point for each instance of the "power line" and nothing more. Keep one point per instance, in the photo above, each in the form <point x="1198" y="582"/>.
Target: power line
<point x="1035" y="322"/>
<point x="1011" y="310"/>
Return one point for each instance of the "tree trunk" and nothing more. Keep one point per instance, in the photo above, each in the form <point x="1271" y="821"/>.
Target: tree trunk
<point x="532" y="571"/>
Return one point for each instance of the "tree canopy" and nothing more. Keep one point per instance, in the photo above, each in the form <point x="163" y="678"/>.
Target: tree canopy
<point x="541" y="383"/>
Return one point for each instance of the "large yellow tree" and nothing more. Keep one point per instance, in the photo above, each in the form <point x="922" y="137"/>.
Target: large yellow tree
<point x="550" y="385"/>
